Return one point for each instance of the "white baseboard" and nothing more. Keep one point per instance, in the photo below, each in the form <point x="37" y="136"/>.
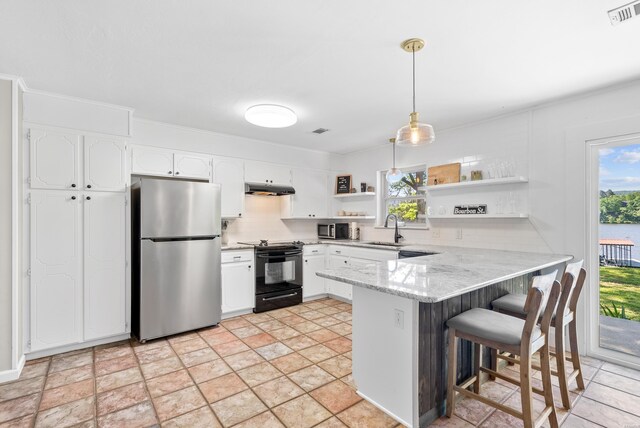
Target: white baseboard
<point x="13" y="374"/>
<point x="76" y="346"/>
<point x="236" y="313"/>
<point x="316" y="297"/>
<point x="402" y="421"/>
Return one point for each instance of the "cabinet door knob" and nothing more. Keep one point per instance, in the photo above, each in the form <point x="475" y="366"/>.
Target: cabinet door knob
<point x="270" y="181"/>
<point x="239" y="214"/>
<point x="73" y="198"/>
<point x="266" y="181"/>
<point x="88" y="186"/>
<point x="177" y="172"/>
<point x="249" y="267"/>
<point x="345" y="261"/>
<point x="169" y="172"/>
<point x="306" y="261"/>
<point x="73" y="185"/>
<point x="88" y="198"/>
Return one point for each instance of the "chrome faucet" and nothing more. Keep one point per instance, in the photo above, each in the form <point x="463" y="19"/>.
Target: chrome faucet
<point x="396" y="236"/>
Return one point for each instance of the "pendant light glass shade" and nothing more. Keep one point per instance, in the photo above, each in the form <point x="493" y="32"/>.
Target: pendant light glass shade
<point x="394" y="174"/>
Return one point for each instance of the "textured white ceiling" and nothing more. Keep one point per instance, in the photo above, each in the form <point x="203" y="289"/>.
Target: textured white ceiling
<point x="338" y="64"/>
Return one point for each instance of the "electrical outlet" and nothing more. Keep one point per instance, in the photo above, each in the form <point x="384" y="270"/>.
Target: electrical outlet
<point x="435" y="233"/>
<point x="398" y="318"/>
<point x="458" y="233"/>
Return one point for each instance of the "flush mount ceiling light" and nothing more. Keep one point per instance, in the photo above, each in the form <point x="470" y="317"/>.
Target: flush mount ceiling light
<point x="270" y="116"/>
<point x="415" y="133"/>
<point x="394" y="174"/>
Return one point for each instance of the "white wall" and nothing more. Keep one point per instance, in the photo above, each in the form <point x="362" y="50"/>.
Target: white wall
<point x="5" y="224"/>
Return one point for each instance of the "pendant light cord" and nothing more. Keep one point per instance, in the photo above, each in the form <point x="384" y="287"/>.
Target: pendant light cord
<point x="413" y="49"/>
<point x="394" y="155"/>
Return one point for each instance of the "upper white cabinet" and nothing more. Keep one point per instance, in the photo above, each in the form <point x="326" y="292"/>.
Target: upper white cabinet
<point x="229" y="174"/>
<point x="105" y="164"/>
<point x="186" y="165"/>
<point x="261" y="172"/>
<point x="55" y="159"/>
<point x="147" y="160"/>
<point x="67" y="161"/>
<point x="56" y="266"/>
<point x="104" y="264"/>
<point x="311" y="199"/>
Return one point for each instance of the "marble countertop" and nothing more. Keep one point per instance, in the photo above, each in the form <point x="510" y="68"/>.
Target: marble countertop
<point x="236" y="246"/>
<point x="452" y="272"/>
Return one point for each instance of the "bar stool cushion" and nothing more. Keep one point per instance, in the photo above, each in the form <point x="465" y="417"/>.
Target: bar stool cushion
<point x="513" y="303"/>
<point x="491" y="325"/>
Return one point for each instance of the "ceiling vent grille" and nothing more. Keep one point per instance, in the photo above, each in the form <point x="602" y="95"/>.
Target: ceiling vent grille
<point x="624" y="13"/>
<point x="320" y="131"/>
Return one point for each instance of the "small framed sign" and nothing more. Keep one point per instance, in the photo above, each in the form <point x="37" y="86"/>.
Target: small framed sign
<point x="470" y="209"/>
<point x="343" y="184"/>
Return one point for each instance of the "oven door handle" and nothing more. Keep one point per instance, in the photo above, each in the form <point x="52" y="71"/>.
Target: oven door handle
<point x="279" y="256"/>
<point x="264" y="299"/>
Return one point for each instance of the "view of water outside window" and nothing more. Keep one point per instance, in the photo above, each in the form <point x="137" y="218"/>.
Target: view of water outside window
<point x="405" y="200"/>
<point x="619" y="248"/>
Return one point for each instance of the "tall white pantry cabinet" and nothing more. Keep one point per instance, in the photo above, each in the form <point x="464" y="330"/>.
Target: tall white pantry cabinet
<point x="78" y="220"/>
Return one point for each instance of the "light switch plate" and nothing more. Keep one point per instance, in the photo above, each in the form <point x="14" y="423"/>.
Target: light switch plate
<point x="398" y="318"/>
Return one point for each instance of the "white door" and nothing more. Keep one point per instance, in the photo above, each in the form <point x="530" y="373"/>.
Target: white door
<point x="151" y="161"/>
<point x="313" y="285"/>
<point x="105" y="164"/>
<point x="229" y="174"/>
<point x="238" y="289"/>
<point x="56" y="260"/>
<point x="261" y="172"/>
<point x="187" y="165"/>
<point x="104" y="264"/>
<point x="312" y="196"/>
<point x="54" y="159"/>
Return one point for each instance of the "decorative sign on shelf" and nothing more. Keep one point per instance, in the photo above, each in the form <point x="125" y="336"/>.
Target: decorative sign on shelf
<point x="343" y="184"/>
<point x="469" y="209"/>
<point x="443" y="174"/>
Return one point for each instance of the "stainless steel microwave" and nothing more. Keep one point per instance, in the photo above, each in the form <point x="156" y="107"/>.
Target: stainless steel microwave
<point x="333" y="230"/>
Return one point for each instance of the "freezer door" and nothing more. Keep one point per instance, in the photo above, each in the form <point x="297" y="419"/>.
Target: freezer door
<point x="176" y="209"/>
<point x="180" y="286"/>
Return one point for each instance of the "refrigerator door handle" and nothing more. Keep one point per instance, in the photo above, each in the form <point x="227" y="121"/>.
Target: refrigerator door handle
<point x="195" y="238"/>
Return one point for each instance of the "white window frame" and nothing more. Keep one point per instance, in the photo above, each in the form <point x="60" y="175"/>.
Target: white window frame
<point x="382" y="198"/>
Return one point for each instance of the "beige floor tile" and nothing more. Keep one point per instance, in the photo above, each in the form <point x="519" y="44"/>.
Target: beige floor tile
<point x="200" y="418"/>
<point x="613" y="397"/>
<point x="170" y="382"/>
<point x="235" y="323"/>
<point x="603" y="414"/>
<point x="24" y="422"/>
<point x="118" y="379"/>
<point x="285" y="333"/>
<point x="623" y="371"/>
<point x="335" y="396"/>
<point x="247" y="331"/>
<point x="311" y="378"/>
<point x="230" y="348"/>
<point x="257" y="318"/>
<point x="348" y="379"/>
<point x="299" y="342"/>
<point x="307" y="327"/>
<point x="35" y="369"/>
<point x="263" y="420"/>
<point x="302" y="412"/>
<point x="329" y="310"/>
<point x="292" y="320"/>
<point x="453" y="422"/>
<point x="115" y="365"/>
<point x="280" y="313"/>
<point x="577" y="422"/>
<point x="219" y="338"/>
<point x="66" y="377"/>
<point x="182" y="337"/>
<point x="140" y="415"/>
<point x="177" y="403"/>
<point x="110" y="351"/>
<point x="120" y="398"/>
<point x="198" y="357"/>
<point x="277" y="391"/>
<point x="71" y="361"/>
<point x="366" y="415"/>
<point x="619" y="382"/>
<point x="323" y="335"/>
<point x="291" y="363"/>
<point x="222" y="387"/>
<point x="209" y="370"/>
<point x="151" y="344"/>
<point x="259" y="340"/>
<point x="12" y="409"/>
<point x="327" y="321"/>
<point x="331" y="423"/>
<point x="155" y="354"/>
<point x="338" y="366"/>
<point x="340" y="345"/>
<point x="260" y="373"/>
<point x="238" y="408"/>
<point x="342" y="329"/>
<point x="243" y="359"/>
<point x="271" y="325"/>
<point x="275" y="350"/>
<point x="343" y="316"/>
<point x="67" y="415"/>
<point x="65" y="394"/>
<point x="312" y="315"/>
<point x="20" y="388"/>
<point x="318" y="353"/>
<point x="158" y="368"/>
<point x="189" y="345"/>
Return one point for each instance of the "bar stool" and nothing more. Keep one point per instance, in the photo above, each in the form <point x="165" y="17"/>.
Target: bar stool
<point x="513" y="304"/>
<point x="520" y="337"/>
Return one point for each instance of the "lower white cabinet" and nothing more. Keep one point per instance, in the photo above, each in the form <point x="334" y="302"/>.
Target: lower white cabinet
<point x="77" y="267"/>
<point x="238" y="281"/>
<point x="337" y="288"/>
<point x="312" y="284"/>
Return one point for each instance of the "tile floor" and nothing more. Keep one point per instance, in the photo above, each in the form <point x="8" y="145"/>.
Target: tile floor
<point x="286" y="368"/>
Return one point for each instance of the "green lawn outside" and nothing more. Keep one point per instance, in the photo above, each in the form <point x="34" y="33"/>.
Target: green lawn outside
<point x="622" y="287"/>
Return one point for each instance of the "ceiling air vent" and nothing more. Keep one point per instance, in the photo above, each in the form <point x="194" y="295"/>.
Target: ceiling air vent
<point x="323" y="130"/>
<point x="624" y="13"/>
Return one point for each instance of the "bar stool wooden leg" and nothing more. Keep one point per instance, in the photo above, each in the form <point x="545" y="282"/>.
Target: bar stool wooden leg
<point x="477" y="359"/>
<point x="562" y="366"/>
<point x="494" y="362"/>
<point x="546" y="384"/>
<point x="575" y="356"/>
<point x="452" y="371"/>
<point x="525" y="390"/>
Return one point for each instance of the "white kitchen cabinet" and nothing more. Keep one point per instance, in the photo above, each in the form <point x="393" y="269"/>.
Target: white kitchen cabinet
<point x="238" y="282"/>
<point x="189" y="165"/>
<point x="55" y="269"/>
<point x="313" y="285"/>
<point x="151" y="161"/>
<point x="104" y="264"/>
<point x="311" y="199"/>
<point x="54" y="159"/>
<point x="105" y="164"/>
<point x="261" y="172"/>
<point x="229" y="174"/>
<point x="337" y="288"/>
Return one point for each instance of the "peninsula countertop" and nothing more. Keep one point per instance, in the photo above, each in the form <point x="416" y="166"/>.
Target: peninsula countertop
<point x="451" y="272"/>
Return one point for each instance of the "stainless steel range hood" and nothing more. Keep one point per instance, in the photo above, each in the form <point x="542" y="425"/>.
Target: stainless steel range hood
<point x="268" y="189"/>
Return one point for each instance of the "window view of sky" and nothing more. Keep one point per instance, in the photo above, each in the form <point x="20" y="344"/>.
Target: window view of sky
<point x="620" y="168"/>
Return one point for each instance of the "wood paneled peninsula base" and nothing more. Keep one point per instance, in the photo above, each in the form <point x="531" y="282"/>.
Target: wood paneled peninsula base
<point x="400" y="310"/>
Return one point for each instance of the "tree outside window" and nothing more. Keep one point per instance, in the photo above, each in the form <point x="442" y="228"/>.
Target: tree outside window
<point x="405" y="200"/>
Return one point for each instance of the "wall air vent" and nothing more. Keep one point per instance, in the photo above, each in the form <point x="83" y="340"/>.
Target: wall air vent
<point x="624" y="13"/>
<point x="323" y="130"/>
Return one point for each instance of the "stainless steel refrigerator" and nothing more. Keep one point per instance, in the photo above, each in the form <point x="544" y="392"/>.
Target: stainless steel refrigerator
<point x="176" y="257"/>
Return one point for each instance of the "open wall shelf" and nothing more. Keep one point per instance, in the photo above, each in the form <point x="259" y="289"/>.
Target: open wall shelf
<point x="477" y="183"/>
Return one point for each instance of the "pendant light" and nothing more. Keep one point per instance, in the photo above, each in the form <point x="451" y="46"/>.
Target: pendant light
<point x="394" y="174"/>
<point x="415" y="133"/>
